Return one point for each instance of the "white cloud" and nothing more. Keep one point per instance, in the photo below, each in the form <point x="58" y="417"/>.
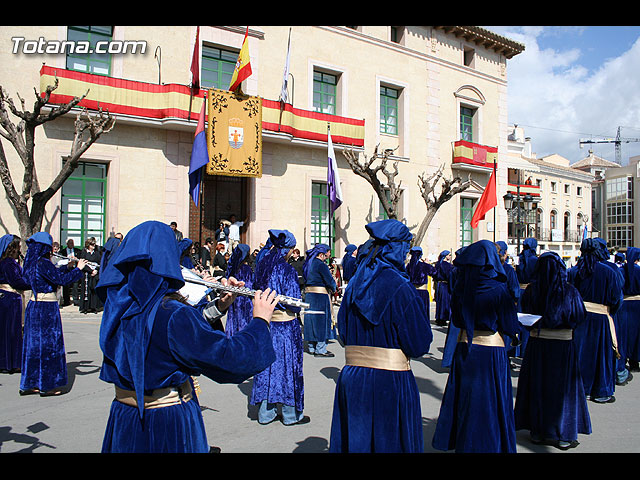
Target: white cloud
<point x="558" y="101"/>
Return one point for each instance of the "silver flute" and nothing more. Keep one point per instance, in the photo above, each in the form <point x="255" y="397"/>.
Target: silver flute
<point x="93" y="265"/>
<point x="247" y="292"/>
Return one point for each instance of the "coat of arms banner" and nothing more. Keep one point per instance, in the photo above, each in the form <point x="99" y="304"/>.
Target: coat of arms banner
<point x="234" y="134"/>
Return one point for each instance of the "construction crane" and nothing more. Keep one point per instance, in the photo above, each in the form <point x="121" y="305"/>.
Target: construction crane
<point x="618" y="141"/>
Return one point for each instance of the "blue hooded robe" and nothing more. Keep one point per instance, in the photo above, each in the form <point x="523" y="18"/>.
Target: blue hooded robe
<point x="283" y="381"/>
<point x="11" y="287"/>
<point x="151" y="340"/>
<point x="44" y="365"/>
<point x="378" y="410"/>
<point x="318" y="327"/>
<point x="598" y="283"/>
<point x="476" y="414"/>
<point x="348" y="262"/>
<point x="419" y="273"/>
<point x="628" y="315"/>
<point x="442" y="276"/>
<point x="241" y="310"/>
<point x="550" y="400"/>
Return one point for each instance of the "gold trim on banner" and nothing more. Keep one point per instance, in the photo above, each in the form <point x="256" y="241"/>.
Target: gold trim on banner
<point x="234" y="134"/>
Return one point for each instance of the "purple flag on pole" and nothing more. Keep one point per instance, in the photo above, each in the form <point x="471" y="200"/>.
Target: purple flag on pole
<point x="333" y="180"/>
<point x="199" y="156"/>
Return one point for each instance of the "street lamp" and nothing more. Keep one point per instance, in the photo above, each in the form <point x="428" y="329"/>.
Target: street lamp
<point x="514" y="207"/>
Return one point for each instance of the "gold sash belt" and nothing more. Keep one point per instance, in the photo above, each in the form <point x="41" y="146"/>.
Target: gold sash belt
<point x="45" y="297"/>
<point x="422" y="287"/>
<point x="376" y="357"/>
<point x="316" y="289"/>
<point x="162" y="397"/>
<point x="552" y="333"/>
<point x="8" y="288"/>
<point x="628" y="297"/>
<point x="524" y="286"/>
<point x="604" y="310"/>
<point x="483" y="337"/>
<point x="282" y="316"/>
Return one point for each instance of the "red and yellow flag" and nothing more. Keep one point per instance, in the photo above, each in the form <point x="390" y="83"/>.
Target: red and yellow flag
<point x="243" y="64"/>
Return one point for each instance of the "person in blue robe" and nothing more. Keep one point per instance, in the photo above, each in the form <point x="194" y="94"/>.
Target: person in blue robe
<point x="240" y="312"/>
<point x="629" y="313"/>
<point x="419" y="272"/>
<point x="619" y="259"/>
<point x="596" y="341"/>
<point x="451" y="339"/>
<point x="476" y="414"/>
<point x="320" y="285"/>
<point x="513" y="348"/>
<point x="442" y="277"/>
<point x="281" y="385"/>
<point x="107" y="251"/>
<point x="349" y="262"/>
<point x="153" y="341"/>
<point x="44" y="366"/>
<point x="184" y="250"/>
<point x="382" y="322"/>
<point x="526" y="264"/>
<point x="12" y="285"/>
<point x="550" y="399"/>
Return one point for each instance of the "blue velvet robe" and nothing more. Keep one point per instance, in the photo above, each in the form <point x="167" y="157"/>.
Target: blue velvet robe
<point x="476" y="414"/>
<point x="241" y="310"/>
<point x="593" y="336"/>
<point x="283" y="380"/>
<point x="348" y="263"/>
<point x="11" y="315"/>
<point x="451" y="340"/>
<point x="628" y="316"/>
<point x="550" y="399"/>
<point x="419" y="273"/>
<point x="44" y="365"/>
<point x="317" y="327"/>
<point x="442" y="276"/>
<point x="182" y="344"/>
<point x="379" y="410"/>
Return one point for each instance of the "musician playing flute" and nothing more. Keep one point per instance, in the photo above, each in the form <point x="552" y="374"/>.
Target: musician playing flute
<point x="44" y="366"/>
<point x="382" y="322"/>
<point x="153" y="341"/>
<point x="89" y="301"/>
<point x="281" y="385"/>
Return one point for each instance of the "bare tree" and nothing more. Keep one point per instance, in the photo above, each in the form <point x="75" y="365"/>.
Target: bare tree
<point x="87" y="129"/>
<point x="369" y="172"/>
<point x="427" y="184"/>
<point x="450" y="188"/>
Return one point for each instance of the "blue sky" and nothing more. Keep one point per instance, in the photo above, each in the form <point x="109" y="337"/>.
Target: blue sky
<point x="574" y="82"/>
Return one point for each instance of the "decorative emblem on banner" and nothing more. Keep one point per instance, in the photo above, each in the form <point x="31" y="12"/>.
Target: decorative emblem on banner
<point x="234" y="134"/>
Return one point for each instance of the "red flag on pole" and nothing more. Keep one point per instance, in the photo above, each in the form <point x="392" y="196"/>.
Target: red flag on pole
<point x="195" y="64"/>
<point x="487" y="201"/>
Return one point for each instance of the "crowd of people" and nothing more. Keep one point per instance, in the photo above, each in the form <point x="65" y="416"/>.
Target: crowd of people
<point x="575" y="330"/>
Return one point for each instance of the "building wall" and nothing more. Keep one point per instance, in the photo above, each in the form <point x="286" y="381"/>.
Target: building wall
<point x="148" y="163"/>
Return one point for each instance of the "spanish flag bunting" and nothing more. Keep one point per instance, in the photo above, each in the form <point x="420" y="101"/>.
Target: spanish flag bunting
<point x="243" y="65"/>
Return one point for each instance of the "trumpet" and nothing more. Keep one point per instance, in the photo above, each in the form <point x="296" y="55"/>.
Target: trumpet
<point x="93" y="265"/>
<point x="247" y="292"/>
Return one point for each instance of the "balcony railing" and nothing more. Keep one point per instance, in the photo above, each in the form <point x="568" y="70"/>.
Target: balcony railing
<point x="548" y="234"/>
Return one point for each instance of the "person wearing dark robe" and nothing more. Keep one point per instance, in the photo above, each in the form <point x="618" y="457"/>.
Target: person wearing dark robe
<point x="349" y="262"/>
<point x="44" y="366"/>
<point x="297" y="262"/>
<point x="240" y="311"/>
<point x="153" y="341"/>
<point x="550" y="400"/>
<point x="383" y="323"/>
<point x="320" y="285"/>
<point x="219" y="264"/>
<point x="476" y="414"/>
<point x="441" y="277"/>
<point x="451" y="339"/>
<point x="419" y="272"/>
<point x="513" y="348"/>
<point x="89" y="301"/>
<point x="596" y="341"/>
<point x="108" y="249"/>
<point x="526" y="264"/>
<point x="628" y="316"/>
<point x="184" y="248"/>
<point x="70" y="293"/>
<point x="12" y="286"/>
<point x="281" y="385"/>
